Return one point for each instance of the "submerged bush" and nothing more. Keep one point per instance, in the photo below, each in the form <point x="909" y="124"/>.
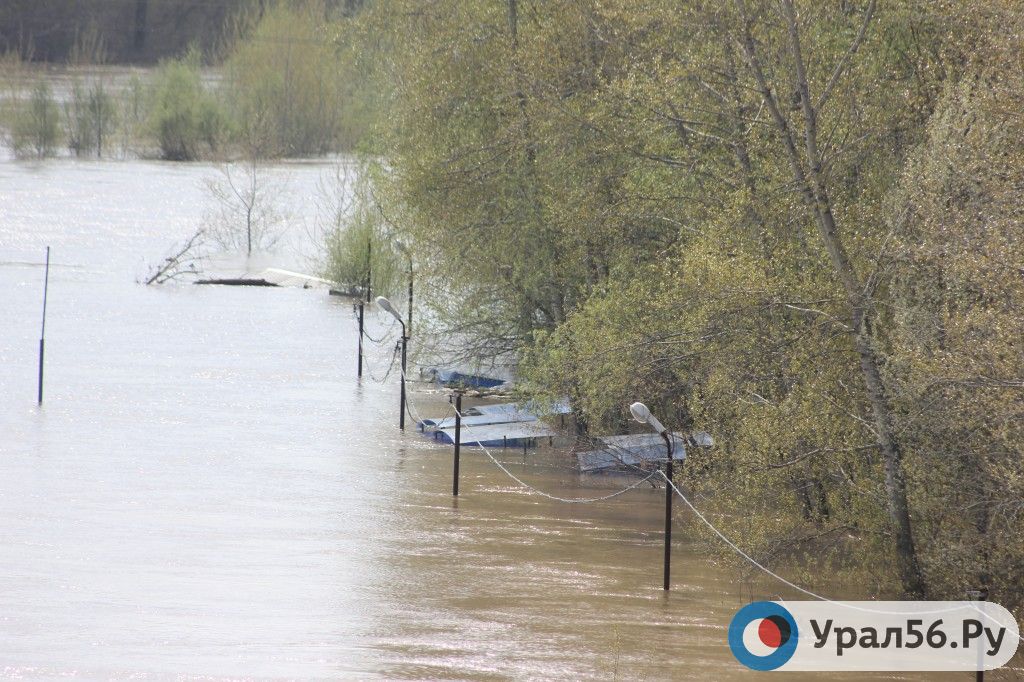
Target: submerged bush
<point x="89" y="118"/>
<point x="285" y="86"/>
<point x="35" y="129"/>
<point x="357" y="241"/>
<point x="132" y="114"/>
<point x="184" y="116"/>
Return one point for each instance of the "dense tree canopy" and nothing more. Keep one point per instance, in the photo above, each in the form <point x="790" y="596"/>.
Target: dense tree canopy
<point x="795" y="225"/>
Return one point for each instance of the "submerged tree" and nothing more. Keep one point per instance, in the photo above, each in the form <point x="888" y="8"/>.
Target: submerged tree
<point x="360" y="245"/>
<point x="35" y="130"/>
<point x="736" y="211"/>
<point x="247" y="212"/>
<point x="184" y="260"/>
<point x="184" y="115"/>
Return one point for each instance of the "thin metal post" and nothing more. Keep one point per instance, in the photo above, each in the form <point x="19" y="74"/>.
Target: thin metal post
<point x="458" y="442"/>
<point x="401" y="415"/>
<point x="369" y="266"/>
<point x="362" y="306"/>
<point x="980" y="595"/>
<point x="42" y="333"/>
<point x="359" y="371"/>
<point x="668" y="508"/>
<point x="408" y="327"/>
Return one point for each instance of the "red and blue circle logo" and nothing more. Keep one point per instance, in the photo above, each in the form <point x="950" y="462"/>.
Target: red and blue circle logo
<point x="763" y="635"/>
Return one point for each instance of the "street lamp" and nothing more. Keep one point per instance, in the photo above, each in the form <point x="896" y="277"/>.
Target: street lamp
<point x="644" y="416"/>
<point x="386" y="306"/>
<point x="364" y="296"/>
<point x="404" y="248"/>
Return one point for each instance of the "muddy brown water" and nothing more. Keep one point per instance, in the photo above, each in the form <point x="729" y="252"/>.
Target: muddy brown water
<point x="208" y="492"/>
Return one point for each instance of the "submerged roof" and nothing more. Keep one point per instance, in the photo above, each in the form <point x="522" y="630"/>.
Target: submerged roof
<point x="269" y="277"/>
<point x="454" y="378"/>
<point x="482" y="419"/>
<point x="496" y="434"/>
<point x="560" y="407"/>
<point x="287" y="278"/>
<point x="500" y="413"/>
<point x="631" y="450"/>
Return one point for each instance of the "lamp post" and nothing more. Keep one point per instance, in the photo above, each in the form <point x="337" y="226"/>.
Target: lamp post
<point x="42" y="334"/>
<point x="404" y="248"/>
<point x="458" y="442"/>
<point x="362" y="306"/>
<point x="385" y="305"/>
<point x="644" y="416"/>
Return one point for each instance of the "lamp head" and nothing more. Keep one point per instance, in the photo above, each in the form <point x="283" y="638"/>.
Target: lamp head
<point x="640" y="412"/>
<point x="644" y="416"/>
<point x="386" y="306"/>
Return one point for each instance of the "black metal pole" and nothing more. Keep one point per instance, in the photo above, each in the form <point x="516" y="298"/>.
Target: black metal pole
<point x="369" y="266"/>
<point x="668" y="508"/>
<point x="408" y="327"/>
<point x="979" y="676"/>
<point x="405" y="343"/>
<point x="42" y="333"/>
<point x="362" y="305"/>
<point x="359" y="371"/>
<point x="458" y="442"/>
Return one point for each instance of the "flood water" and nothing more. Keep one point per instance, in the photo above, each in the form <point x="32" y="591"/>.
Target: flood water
<point x="209" y="492"/>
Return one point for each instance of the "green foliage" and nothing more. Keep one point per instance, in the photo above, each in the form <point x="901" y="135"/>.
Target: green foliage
<point x="624" y="196"/>
<point x="132" y="114"/>
<point x="77" y="121"/>
<point x="185" y="116"/>
<point x="360" y="246"/>
<point x="285" y="85"/>
<point x="35" y="129"/>
<point x="90" y="117"/>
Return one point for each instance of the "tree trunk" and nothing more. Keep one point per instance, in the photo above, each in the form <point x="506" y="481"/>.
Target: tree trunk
<point x="811" y="184"/>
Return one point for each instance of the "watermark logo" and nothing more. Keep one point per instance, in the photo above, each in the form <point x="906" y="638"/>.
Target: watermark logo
<point x="763" y="635"/>
<point x="873" y="636"/>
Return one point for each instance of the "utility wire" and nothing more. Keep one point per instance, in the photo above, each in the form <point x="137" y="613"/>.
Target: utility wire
<point x="391" y="366"/>
<point x="567" y="500"/>
<point x="534" y="489"/>
<point x="789" y="583"/>
<point x="386" y="337"/>
<point x="732" y="545"/>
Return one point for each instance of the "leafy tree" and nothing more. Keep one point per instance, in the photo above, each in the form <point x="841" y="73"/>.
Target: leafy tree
<point x="284" y="81"/>
<point x="36" y="126"/>
<point x="184" y="116"/>
<point x="774" y="221"/>
<point x="362" y="251"/>
<point x="90" y="115"/>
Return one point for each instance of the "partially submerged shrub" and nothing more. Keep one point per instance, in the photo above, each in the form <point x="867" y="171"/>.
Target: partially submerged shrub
<point x="89" y="117"/>
<point x="185" y="117"/>
<point x="357" y="240"/>
<point x="35" y="129"/>
<point x="285" y="82"/>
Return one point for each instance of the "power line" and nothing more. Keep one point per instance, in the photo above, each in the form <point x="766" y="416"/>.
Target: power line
<point x="783" y="580"/>
<point x="724" y="538"/>
<point x="538" y="491"/>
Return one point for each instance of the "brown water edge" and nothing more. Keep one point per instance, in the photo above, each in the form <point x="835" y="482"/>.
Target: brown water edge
<point x="208" y="492"/>
<point x="566" y="590"/>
